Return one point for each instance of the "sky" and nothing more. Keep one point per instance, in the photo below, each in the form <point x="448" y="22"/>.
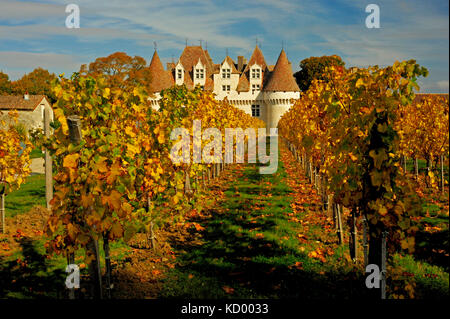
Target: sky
<point x="33" y="33"/>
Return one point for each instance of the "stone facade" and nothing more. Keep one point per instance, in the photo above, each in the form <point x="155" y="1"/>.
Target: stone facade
<point x="30" y="109"/>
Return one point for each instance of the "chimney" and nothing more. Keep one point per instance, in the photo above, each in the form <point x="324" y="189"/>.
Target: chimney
<point x="240" y="63"/>
<point x="26" y="96"/>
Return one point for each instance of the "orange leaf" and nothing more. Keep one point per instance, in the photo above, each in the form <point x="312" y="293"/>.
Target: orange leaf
<point x="228" y="290"/>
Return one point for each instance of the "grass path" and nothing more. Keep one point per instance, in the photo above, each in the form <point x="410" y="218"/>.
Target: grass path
<point x="267" y="238"/>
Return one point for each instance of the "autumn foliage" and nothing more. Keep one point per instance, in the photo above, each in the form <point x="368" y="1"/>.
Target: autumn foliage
<point x="15" y="151"/>
<point x="110" y="184"/>
<point x="345" y="125"/>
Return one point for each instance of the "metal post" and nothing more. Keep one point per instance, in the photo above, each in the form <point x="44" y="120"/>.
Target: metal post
<point x="48" y="162"/>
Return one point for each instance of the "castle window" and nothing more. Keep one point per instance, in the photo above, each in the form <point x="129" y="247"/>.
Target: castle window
<point x="256" y="73"/>
<point x="226" y="73"/>
<point x="255" y="110"/>
<point x="179" y="73"/>
<point x="255" y="87"/>
<point x="226" y="88"/>
<point x="199" y="73"/>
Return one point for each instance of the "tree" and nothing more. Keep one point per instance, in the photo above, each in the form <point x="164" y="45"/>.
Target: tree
<point x="120" y="70"/>
<point x="5" y="84"/>
<point x="313" y="68"/>
<point x="39" y="81"/>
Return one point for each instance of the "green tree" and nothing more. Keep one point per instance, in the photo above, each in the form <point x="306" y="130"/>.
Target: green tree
<point x="313" y="68"/>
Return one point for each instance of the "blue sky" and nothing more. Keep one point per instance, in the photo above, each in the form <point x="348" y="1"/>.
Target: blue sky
<point x="33" y="33"/>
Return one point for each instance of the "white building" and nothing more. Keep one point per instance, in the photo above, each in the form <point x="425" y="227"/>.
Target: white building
<point x="29" y="107"/>
<point x="261" y="90"/>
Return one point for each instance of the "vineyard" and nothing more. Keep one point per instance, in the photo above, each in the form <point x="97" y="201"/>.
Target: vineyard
<point x="362" y="179"/>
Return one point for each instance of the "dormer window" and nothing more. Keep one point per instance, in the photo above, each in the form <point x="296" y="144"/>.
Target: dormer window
<point x="256" y="73"/>
<point x="226" y="73"/>
<point x="199" y="73"/>
<point x="179" y="74"/>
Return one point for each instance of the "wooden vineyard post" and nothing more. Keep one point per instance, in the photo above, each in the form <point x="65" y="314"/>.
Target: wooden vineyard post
<point x="353" y="242"/>
<point x="416" y="167"/>
<point x="404" y="159"/>
<point x="152" y="233"/>
<point x="339" y="220"/>
<point x="75" y="135"/>
<point x="94" y="268"/>
<point x="187" y="183"/>
<point x="197" y="185"/>
<point x="365" y="242"/>
<point x="203" y="178"/>
<point x="217" y="169"/>
<point x="48" y="162"/>
<point x="107" y="265"/>
<point x="2" y="208"/>
<point x="333" y="208"/>
<point x="383" y="265"/>
<point x="442" y="174"/>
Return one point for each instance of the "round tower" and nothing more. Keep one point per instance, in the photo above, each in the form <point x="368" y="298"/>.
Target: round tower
<point x="280" y="89"/>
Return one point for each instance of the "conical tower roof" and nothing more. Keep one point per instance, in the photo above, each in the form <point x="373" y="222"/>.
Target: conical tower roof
<point x="161" y="79"/>
<point x="256" y="58"/>
<point x="282" y="78"/>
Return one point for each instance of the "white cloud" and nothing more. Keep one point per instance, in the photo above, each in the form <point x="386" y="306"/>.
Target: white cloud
<point x="17" y="11"/>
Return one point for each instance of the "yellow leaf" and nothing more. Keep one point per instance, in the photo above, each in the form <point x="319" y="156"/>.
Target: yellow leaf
<point x="70" y="161"/>
<point x="359" y="83"/>
<point x="114" y="199"/>
<point x="116" y="230"/>
<point x="353" y="157"/>
<point x="106" y="93"/>
<point x="129" y="131"/>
